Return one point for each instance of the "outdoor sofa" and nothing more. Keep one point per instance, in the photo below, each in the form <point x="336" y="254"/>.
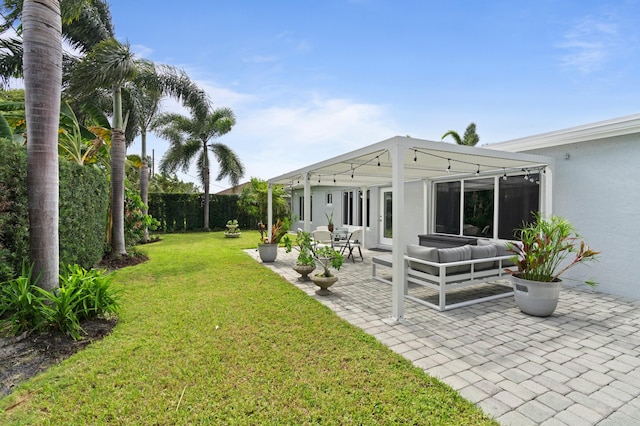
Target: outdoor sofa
<point x="449" y="268"/>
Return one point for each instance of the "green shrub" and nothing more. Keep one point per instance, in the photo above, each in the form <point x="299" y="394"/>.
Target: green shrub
<point x="20" y="303"/>
<point x="14" y="211"/>
<point x="84" y="203"/>
<point x="83" y="294"/>
<point x="134" y="219"/>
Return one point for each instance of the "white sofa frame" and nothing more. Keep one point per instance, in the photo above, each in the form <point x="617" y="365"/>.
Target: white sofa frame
<point x="444" y="282"/>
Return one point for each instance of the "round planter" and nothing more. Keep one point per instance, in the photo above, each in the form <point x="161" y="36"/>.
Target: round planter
<point x="304" y="271"/>
<point x="535" y="297"/>
<point x="324" y="283"/>
<point x="268" y="252"/>
<point x="232" y="234"/>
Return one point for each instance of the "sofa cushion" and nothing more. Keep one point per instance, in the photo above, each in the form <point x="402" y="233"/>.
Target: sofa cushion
<point x="502" y="249"/>
<point x="455" y="254"/>
<point x="424" y="253"/>
<point x="483" y="252"/>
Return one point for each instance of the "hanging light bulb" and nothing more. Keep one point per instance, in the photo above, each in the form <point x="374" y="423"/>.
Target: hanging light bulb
<point x="449" y="166"/>
<point x="415" y="155"/>
<point x="378" y="158"/>
<point x="478" y="170"/>
<point x="504" y="177"/>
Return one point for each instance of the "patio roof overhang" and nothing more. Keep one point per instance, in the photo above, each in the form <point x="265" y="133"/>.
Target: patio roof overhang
<point x="398" y="160"/>
<point x="423" y="160"/>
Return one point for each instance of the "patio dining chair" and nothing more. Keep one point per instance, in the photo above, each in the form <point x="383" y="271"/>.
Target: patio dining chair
<point x="351" y="243"/>
<point x="322" y="238"/>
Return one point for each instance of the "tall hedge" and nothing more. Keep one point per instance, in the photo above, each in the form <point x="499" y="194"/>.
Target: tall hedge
<point x="14" y="211"/>
<point x="184" y="212"/>
<point x="84" y="197"/>
<point x="84" y="204"/>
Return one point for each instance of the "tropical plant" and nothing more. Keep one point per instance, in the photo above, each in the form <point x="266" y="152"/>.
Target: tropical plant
<point x="169" y="183"/>
<point x="254" y="199"/>
<point x="470" y="137"/>
<point x="145" y="94"/>
<point x="278" y="231"/>
<point x="304" y="243"/>
<point x="190" y="138"/>
<point x="81" y="294"/>
<point x="543" y="246"/>
<point x="41" y="30"/>
<point x="136" y="221"/>
<point x="99" y="300"/>
<point x="20" y="303"/>
<point x="329" y="217"/>
<point x="328" y="257"/>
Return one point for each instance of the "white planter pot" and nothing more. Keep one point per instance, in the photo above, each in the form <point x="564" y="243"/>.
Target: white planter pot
<point x="535" y="297"/>
<point x="268" y="252"/>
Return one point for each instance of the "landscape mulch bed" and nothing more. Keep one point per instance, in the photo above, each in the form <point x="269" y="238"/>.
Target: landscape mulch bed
<point x="24" y="356"/>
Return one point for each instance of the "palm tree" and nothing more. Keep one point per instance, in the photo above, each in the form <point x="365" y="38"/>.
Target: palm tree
<point x="42" y="69"/>
<point x="145" y="95"/>
<point x="470" y="137"/>
<point x="189" y="139"/>
<point x="42" y="64"/>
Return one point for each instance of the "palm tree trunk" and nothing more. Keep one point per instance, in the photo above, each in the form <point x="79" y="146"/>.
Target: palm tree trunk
<point x="205" y="181"/>
<point x="144" y="182"/>
<point x="118" y="152"/>
<point x="42" y="38"/>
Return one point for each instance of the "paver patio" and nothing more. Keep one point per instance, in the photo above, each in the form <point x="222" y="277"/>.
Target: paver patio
<point x="581" y="366"/>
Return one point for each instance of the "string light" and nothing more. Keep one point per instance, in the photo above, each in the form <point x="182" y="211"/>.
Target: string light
<point x="504" y="177"/>
<point x="378" y="158"/>
<point x="415" y="155"/>
<point x="478" y="170"/>
<point x="334" y="178"/>
<point x="449" y="166"/>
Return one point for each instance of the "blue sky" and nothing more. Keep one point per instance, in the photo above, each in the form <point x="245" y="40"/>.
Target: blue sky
<point x="311" y="79"/>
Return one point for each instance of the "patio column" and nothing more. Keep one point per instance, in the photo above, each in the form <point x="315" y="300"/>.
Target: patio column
<point x="269" y="210"/>
<point x="307" y="202"/>
<point x="397" y="153"/>
<point x="364" y="213"/>
<point x="546" y="185"/>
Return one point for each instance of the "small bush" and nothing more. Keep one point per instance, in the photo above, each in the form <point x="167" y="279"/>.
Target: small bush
<point x="83" y="294"/>
<point x="20" y="303"/>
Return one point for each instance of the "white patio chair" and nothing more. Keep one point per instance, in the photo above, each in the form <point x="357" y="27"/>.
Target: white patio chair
<point x="322" y="238"/>
<point x="353" y="242"/>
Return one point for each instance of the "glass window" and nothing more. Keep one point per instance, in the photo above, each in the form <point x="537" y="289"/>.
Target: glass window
<point x="329" y="198"/>
<point x="448" y="207"/>
<point x="478" y="207"/>
<point x="519" y="197"/>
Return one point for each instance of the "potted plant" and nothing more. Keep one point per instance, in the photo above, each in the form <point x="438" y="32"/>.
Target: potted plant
<point x="232" y="229"/>
<point x="327" y="257"/>
<point x="540" y="259"/>
<point x="329" y="221"/>
<point x="305" y="262"/>
<point x="268" y="246"/>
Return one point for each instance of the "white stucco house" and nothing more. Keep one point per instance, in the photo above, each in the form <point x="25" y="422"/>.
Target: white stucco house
<point x="403" y="187"/>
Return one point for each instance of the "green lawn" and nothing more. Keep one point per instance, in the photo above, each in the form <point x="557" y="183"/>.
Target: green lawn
<point x="209" y="336"/>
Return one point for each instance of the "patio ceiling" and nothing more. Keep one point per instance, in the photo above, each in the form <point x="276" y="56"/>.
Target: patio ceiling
<point x="372" y="165"/>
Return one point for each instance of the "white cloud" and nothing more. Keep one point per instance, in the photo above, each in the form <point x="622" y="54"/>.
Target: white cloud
<point x="290" y="134"/>
<point x="141" y="50"/>
<point x="588" y="44"/>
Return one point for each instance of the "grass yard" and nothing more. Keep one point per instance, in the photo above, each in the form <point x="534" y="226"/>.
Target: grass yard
<point x="209" y="336"/>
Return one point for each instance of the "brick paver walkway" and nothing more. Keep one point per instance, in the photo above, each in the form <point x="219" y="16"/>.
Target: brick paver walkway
<point x="581" y="366"/>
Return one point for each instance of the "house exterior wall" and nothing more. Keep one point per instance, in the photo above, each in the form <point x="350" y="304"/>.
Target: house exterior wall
<point x="595" y="187"/>
<point x="413" y="220"/>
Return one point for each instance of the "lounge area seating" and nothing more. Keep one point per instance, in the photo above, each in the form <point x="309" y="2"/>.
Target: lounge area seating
<point x="450" y="268"/>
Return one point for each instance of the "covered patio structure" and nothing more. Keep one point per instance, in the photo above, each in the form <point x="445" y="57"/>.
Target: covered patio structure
<point x="397" y="161"/>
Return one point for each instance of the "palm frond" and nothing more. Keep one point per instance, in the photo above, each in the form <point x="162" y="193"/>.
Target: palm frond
<point x="229" y="163"/>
